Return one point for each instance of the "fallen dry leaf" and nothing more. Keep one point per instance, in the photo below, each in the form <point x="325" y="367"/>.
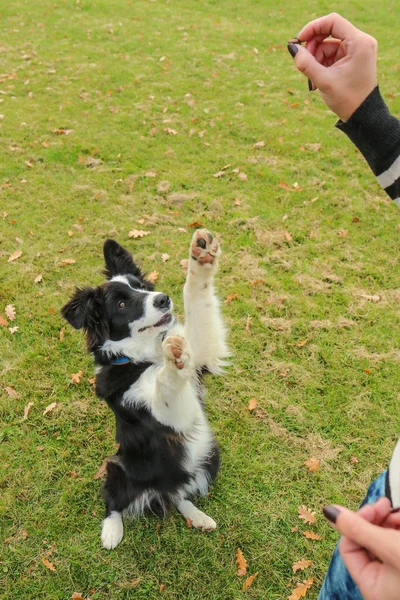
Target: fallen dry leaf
<point x="307" y="515"/>
<point x="237" y="202"/>
<point x="10" y="311"/>
<point x="259" y="144"/>
<point x="62" y="334"/>
<point x="67" y="261"/>
<point x="252" y="404"/>
<point x="219" y="174"/>
<point x="26" y="410"/>
<point x="231" y="297"/>
<point x="13" y="330"/>
<point x="3" y="321"/>
<point x="196" y="225"/>
<point x="61" y="131"/>
<point x="257" y="282"/>
<point x="12" y="393"/>
<point x="242" y="176"/>
<point x="311" y="535"/>
<point x="249" y="581"/>
<point x="301" y="589"/>
<point x="151" y="174"/>
<point x="76" y="377"/>
<point x="77" y="596"/>
<point x="49" y="408"/>
<point x="241" y="563"/>
<point x="138" y="233"/>
<point x="300" y="565"/>
<point x="102" y="471"/>
<point x="15" y="255"/>
<point x="170" y="131"/>
<point x="248" y="322"/>
<point x="152" y="277"/>
<point x="48" y="565"/>
<point x="354" y="460"/>
<point x="312" y="464"/>
<point x="342" y="232"/>
<point x="294" y="529"/>
<point x="302" y="343"/>
<point x="165" y="257"/>
<point x="38" y="278"/>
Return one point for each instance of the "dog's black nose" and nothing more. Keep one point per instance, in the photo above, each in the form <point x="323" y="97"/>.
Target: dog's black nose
<point x="162" y="302"/>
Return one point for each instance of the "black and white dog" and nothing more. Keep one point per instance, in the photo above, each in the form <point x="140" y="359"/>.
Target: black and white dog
<point x="149" y="372"/>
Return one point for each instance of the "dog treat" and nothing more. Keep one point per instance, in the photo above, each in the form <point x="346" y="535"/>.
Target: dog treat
<point x="299" y="42"/>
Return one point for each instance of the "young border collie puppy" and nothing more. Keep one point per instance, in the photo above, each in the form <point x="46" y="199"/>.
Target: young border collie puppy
<point x="148" y="371"/>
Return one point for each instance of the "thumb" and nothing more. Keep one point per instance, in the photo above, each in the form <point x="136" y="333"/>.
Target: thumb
<point x="307" y="64"/>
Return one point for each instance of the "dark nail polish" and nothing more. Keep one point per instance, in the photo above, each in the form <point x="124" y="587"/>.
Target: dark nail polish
<point x="310" y="85"/>
<point x="293" y="50"/>
<point x="331" y="513"/>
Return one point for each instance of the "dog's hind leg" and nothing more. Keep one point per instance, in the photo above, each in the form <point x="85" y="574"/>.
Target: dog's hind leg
<point x="198" y="519"/>
<point x="204" y="328"/>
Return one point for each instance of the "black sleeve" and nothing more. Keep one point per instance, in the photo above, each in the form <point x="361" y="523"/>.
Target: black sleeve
<point x="376" y="133"/>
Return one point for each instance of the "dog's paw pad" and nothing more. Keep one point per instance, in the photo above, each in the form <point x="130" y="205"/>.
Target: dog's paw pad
<point x="204" y="248"/>
<point x="112" y="531"/>
<point x="203" y="522"/>
<point x="174" y="347"/>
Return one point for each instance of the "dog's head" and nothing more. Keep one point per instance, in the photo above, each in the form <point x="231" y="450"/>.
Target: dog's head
<point x="123" y="315"/>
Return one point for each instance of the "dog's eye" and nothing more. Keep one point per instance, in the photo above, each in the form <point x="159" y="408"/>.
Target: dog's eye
<point x="122" y="304"/>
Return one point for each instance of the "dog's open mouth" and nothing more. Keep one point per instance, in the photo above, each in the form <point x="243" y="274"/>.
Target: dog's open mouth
<point x="165" y="319"/>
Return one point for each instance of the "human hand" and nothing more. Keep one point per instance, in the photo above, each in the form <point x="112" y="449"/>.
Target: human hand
<point x="370" y="547"/>
<point x="342" y="67"/>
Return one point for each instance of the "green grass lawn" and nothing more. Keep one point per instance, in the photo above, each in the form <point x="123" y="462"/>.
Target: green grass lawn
<point x="101" y="103"/>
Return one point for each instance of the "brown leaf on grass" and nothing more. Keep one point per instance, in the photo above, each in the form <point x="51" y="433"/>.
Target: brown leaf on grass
<point x="13" y="330"/>
<point x="219" y="174"/>
<point x="301" y="589"/>
<point x="342" y="233"/>
<point x="38" y="278"/>
<point x="26" y="410"/>
<point x="61" y="131"/>
<point x="302" y="343"/>
<point x="165" y="257"/>
<point x="290" y="188"/>
<point x="242" y="176"/>
<point x="152" y="277"/>
<point x="248" y="322"/>
<point x="189" y="523"/>
<point x="311" y="535"/>
<point x="252" y="404"/>
<point x="48" y="565"/>
<point x="170" y="131"/>
<point x="10" y="311"/>
<point x="12" y="393"/>
<point x="300" y="565"/>
<point x="257" y="282"/>
<point x="49" y="408"/>
<point x="77" y="596"/>
<point x="67" y="261"/>
<point x="241" y="563"/>
<point x="3" y="321"/>
<point x="151" y="174"/>
<point x="196" y="225"/>
<point x="138" y="233"/>
<point x="249" y="581"/>
<point x="259" y="144"/>
<point x="354" y="460"/>
<point x="102" y="471"/>
<point x="307" y="515"/>
<point x="76" y="377"/>
<point x="312" y="464"/>
<point x="62" y="334"/>
<point x="231" y="297"/>
<point x="237" y="202"/>
<point x="14" y="256"/>
<point x="294" y="529"/>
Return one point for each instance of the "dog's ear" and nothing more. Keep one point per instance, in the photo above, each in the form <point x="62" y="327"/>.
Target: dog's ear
<point x="119" y="261"/>
<point x="85" y="311"/>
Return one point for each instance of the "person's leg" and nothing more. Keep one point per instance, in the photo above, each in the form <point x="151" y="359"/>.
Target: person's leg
<point x="338" y="583"/>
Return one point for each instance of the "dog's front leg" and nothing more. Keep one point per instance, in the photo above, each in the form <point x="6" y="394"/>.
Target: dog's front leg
<point x="204" y="327"/>
<point x="175" y="401"/>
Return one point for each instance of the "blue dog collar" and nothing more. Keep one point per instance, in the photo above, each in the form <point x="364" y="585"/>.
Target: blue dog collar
<point x="121" y="360"/>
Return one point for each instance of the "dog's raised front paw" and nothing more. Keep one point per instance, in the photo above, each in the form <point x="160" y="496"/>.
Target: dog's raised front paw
<point x="175" y="351"/>
<point x="204" y="249"/>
